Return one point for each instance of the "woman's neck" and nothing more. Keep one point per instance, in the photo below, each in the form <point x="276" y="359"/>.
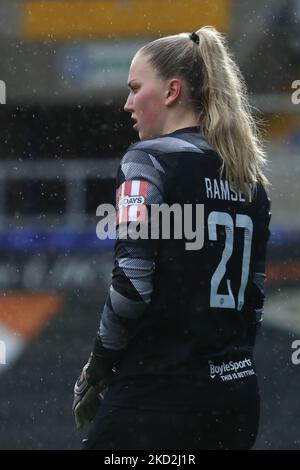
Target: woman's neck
<point x="180" y="122"/>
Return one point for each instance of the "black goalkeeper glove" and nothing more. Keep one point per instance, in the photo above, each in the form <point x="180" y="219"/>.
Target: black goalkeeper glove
<point x="89" y="390"/>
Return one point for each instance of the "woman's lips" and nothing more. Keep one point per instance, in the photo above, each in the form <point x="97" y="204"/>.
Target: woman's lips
<point x="134" y="122"/>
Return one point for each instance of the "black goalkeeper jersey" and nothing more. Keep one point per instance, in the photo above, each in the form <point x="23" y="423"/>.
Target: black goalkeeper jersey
<point x="180" y="318"/>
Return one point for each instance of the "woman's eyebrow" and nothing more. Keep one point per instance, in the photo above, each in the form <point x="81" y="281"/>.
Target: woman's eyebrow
<point x="130" y="83"/>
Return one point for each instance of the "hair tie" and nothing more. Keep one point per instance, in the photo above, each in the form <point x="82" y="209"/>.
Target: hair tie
<point x="195" y="38"/>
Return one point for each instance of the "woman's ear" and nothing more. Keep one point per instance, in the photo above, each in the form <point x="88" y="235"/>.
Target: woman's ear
<point x="174" y="91"/>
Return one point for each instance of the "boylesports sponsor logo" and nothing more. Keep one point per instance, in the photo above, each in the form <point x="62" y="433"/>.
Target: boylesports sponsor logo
<point x="231" y="370"/>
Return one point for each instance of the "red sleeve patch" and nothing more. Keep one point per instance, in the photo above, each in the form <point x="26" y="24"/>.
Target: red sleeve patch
<point x="131" y="201"/>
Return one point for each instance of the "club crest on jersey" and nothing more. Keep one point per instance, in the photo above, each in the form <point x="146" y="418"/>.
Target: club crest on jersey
<point x="131" y="200"/>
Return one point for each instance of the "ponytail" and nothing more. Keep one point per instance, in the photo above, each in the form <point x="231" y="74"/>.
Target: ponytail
<point x="219" y="97"/>
<point x="225" y="118"/>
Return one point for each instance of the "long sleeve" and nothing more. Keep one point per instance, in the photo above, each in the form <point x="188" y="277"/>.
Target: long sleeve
<point x="257" y="288"/>
<point x="139" y="184"/>
<point x="260" y="262"/>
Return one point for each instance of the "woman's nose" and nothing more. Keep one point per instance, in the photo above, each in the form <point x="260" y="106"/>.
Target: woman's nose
<point x="128" y="105"/>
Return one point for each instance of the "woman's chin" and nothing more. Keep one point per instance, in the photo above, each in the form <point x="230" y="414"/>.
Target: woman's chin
<point x="139" y="132"/>
<point x="147" y="136"/>
<point x="141" y="135"/>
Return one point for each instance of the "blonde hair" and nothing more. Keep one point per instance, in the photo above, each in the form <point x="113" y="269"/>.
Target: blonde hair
<point x="217" y="92"/>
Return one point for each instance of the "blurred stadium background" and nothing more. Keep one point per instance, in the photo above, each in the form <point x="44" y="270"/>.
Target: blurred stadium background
<point x="62" y="135"/>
